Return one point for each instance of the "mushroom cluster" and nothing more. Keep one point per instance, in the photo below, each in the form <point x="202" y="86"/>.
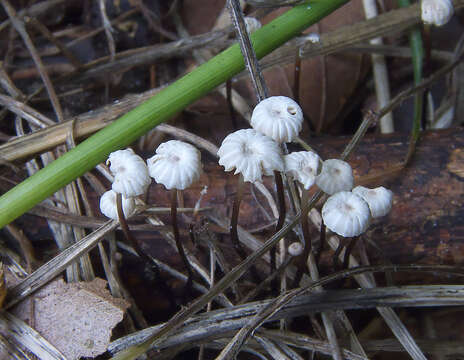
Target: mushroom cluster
<point x="176" y="165"/>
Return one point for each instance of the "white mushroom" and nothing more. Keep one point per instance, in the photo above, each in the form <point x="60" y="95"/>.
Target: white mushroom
<point x="380" y="200"/>
<point x="130" y="173"/>
<point x="303" y="166"/>
<point x="278" y="117"/>
<point x="250" y="154"/>
<point x="176" y="165"/>
<point x="336" y="175"/>
<point x="108" y="205"/>
<point x="346" y="214"/>
<point x="295" y="249"/>
<point x="436" y="12"/>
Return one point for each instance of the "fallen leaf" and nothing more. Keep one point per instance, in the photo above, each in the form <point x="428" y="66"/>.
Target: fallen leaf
<point x="77" y="318"/>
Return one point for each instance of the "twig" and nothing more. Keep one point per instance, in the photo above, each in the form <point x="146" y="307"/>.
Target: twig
<point x="251" y="61"/>
<point x="49" y="35"/>
<point x="20" y="28"/>
<point x="379" y="66"/>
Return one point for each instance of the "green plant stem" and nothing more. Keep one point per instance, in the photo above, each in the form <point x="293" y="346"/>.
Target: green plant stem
<point x="161" y="107"/>
<point x="417" y="49"/>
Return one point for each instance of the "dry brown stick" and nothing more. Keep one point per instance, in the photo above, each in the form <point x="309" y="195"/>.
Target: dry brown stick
<point x="8" y="85"/>
<point x="26" y="112"/>
<point x="348" y="36"/>
<point x="34" y="10"/>
<point x="148" y="15"/>
<point x="49" y="35"/>
<point x="20" y="28"/>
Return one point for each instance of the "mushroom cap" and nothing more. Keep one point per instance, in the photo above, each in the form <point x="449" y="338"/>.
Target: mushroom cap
<point x="336" y="175"/>
<point x="250" y="153"/>
<point x="278" y="117"/>
<point x="130" y="173"/>
<point x="436" y="12"/>
<point x="252" y="24"/>
<point x="295" y="249"/>
<point x="303" y="166"/>
<point x="346" y="214"/>
<point x="176" y="165"/>
<point x="109" y="208"/>
<point x="380" y="200"/>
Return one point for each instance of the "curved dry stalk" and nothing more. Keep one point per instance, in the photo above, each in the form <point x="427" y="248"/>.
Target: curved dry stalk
<point x="180" y="248"/>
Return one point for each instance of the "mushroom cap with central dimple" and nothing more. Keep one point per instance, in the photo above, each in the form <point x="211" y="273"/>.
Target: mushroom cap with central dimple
<point x="346" y="214"/>
<point x="336" y="175"/>
<point x="130" y="173"/>
<point x="251" y="154"/>
<point x="380" y="199"/>
<point x="303" y="166"/>
<point x="176" y="165"/>
<point x="278" y="117"/>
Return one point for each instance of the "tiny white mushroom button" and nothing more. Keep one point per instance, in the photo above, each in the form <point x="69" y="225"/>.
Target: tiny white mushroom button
<point x="130" y="173"/>
<point x="303" y="166"/>
<point x="336" y="175"/>
<point x="176" y="165"/>
<point x="251" y="154"/>
<point x="108" y="205"/>
<point x="278" y="117"/>
<point x="346" y="214"/>
<point x="380" y="199"/>
<point x="295" y="249"/>
<point x="436" y="12"/>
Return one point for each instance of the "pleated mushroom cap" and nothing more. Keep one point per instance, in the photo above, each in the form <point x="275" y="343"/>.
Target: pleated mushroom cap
<point x="278" y="117"/>
<point x="346" y="214"/>
<point x="336" y="175"/>
<point x="303" y="166"/>
<point x="130" y="173"/>
<point x="380" y="199"/>
<point x="108" y="205"/>
<point x="436" y="12"/>
<point x="250" y="153"/>
<point x="176" y="165"/>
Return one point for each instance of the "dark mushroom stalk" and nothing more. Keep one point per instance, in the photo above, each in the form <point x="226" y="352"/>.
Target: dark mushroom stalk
<point x="176" y="165"/>
<point x="252" y="155"/>
<point x="347" y="215"/>
<point x="303" y="166"/>
<point x="281" y="119"/>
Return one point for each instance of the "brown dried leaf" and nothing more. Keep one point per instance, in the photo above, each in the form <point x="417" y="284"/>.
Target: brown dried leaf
<point x="77" y="318"/>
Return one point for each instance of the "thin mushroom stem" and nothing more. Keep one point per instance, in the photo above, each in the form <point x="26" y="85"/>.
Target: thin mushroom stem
<point x="234" y="223"/>
<point x="280" y="222"/>
<point x="125" y="227"/>
<point x="335" y="261"/>
<point x="180" y="248"/>
<point x="320" y="247"/>
<point x="151" y="266"/>
<point x="349" y="248"/>
<point x="303" y="258"/>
